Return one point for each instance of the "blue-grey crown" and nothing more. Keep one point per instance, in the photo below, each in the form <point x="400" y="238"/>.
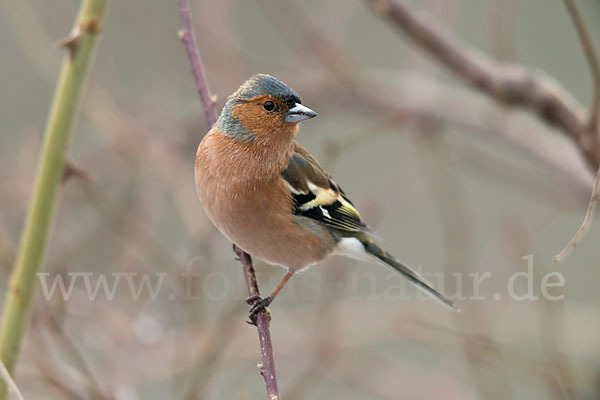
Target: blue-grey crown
<point x="257" y="85"/>
<point x="261" y="84"/>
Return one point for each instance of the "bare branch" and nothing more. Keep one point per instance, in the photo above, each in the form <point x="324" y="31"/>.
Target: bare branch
<point x="263" y="319"/>
<point x="514" y="85"/>
<point x="585" y="226"/>
<point x="417" y="102"/>
<point x="592" y="56"/>
<point x="189" y="40"/>
<point x="508" y="83"/>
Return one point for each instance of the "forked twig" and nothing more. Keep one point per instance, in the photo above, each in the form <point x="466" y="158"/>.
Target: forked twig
<point x="515" y="85"/>
<point x="511" y="84"/>
<point x="592" y="57"/>
<point x="267" y="368"/>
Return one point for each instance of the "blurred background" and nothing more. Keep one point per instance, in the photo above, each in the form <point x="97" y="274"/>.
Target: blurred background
<point x="458" y="185"/>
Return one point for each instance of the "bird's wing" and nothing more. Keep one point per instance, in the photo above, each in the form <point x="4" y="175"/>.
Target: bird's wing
<point x="317" y="196"/>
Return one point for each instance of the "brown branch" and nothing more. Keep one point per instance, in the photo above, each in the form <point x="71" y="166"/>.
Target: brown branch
<point x="416" y="105"/>
<point x="584" y="227"/>
<point x="508" y="83"/>
<point x="514" y="85"/>
<point x="590" y="53"/>
<point x="592" y="57"/>
<point x="263" y="319"/>
<point x="189" y="40"/>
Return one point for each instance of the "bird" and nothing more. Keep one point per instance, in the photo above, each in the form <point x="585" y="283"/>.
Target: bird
<point x="271" y="198"/>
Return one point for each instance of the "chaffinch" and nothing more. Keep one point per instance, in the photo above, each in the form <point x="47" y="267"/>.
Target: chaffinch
<point x="268" y="194"/>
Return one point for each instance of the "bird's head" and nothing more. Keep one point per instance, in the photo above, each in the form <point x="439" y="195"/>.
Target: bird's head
<point x="262" y="106"/>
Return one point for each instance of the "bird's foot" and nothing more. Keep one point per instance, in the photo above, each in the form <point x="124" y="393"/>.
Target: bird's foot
<point x="258" y="304"/>
<point x="252" y="299"/>
<point x="236" y="250"/>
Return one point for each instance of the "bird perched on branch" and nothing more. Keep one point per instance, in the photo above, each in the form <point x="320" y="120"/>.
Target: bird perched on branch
<point x="268" y="194"/>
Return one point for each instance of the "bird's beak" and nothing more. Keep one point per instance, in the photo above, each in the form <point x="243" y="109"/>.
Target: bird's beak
<point x="299" y="113"/>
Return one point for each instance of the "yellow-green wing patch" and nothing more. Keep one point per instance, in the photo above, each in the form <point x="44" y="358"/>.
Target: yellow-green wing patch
<point x="317" y="196"/>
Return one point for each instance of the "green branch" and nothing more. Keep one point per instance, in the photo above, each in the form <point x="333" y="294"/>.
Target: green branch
<point x="74" y="72"/>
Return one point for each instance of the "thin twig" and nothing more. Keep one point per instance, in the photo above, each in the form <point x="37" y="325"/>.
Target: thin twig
<point x="418" y="104"/>
<point x="263" y="319"/>
<point x="513" y="84"/>
<point x="592" y="57"/>
<point x="585" y="225"/>
<point x="508" y="83"/>
<point x="189" y="40"/>
<point x="12" y="386"/>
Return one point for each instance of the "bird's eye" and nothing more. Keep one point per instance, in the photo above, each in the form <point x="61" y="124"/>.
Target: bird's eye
<point x="269" y="105"/>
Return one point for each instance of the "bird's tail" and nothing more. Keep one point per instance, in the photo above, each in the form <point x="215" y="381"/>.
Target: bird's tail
<point x="372" y="248"/>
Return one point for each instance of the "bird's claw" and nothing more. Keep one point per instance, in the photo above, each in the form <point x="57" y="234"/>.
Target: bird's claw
<point x="236" y="250"/>
<point x="252" y="298"/>
<point x="259" y="304"/>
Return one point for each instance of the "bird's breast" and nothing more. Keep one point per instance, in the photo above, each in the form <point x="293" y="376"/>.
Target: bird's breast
<point x="256" y="213"/>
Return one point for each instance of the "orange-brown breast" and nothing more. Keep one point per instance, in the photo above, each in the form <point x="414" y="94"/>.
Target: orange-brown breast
<point x="241" y="189"/>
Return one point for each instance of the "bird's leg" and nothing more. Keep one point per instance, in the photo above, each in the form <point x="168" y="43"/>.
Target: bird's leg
<point x="259" y="304"/>
<point x="236" y="250"/>
<point x="251" y="299"/>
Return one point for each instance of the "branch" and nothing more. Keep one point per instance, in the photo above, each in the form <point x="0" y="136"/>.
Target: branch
<point x="508" y="83"/>
<point x="267" y="368"/>
<point x="189" y="40"/>
<point x="263" y="319"/>
<point x="592" y="57"/>
<point x="590" y="53"/>
<point x="585" y="225"/>
<point x="74" y="72"/>
<point x="418" y="103"/>
<point x="514" y="85"/>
